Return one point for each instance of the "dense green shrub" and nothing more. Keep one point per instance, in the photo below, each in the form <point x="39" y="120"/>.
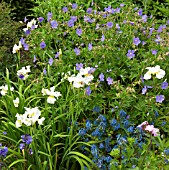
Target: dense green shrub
<point x="9" y="32"/>
<point x="160" y="9"/>
<point x="20" y="8"/>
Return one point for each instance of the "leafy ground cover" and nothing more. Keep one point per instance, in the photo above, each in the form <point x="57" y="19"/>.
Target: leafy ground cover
<point x="90" y="91"/>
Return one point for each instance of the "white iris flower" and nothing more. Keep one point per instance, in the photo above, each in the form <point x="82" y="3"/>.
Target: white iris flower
<point x="16" y="47"/>
<point x="52" y="94"/>
<point x="23" y="72"/>
<point x="154" y="71"/>
<point x="30" y="117"/>
<point x="16" y="102"/>
<point x="4" y="89"/>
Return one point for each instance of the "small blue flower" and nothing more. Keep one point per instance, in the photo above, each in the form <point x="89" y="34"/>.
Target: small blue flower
<point x="133" y="166"/>
<point x="160" y="98"/>
<point x="164" y="85"/>
<point x="121" y="139"/>
<point x="25" y="19"/>
<point x="99" y="163"/>
<point x="144" y="18"/>
<point x="107" y="144"/>
<point x="65" y="9"/>
<point x="77" y="51"/>
<point x="126" y="123"/>
<point x="79" y="31"/>
<point x="151" y="31"/>
<point x="122" y="114"/>
<point x="40" y="19"/>
<point x="131" y="54"/>
<point x="140" y="145"/>
<point x="144" y="90"/>
<point x="57" y="54"/>
<point x="166" y="151"/>
<point x="102" y="126"/>
<point x="70" y="23"/>
<point x="130" y="129"/>
<point x="156" y="114"/>
<point x="82" y="132"/>
<point x="109" y="24"/>
<point x="88" y="125"/>
<point x="140" y="11"/>
<point x="117" y="10"/>
<point x="109" y="81"/>
<point x="114" y="124"/>
<point x="30" y="151"/>
<point x="22" y="40"/>
<point x="136" y="41"/>
<point x="96" y="109"/>
<point x="117" y="26"/>
<point x="103" y="38"/>
<point x="90" y="46"/>
<point x="163" y="123"/>
<point x="108" y="159"/>
<point x="101" y="77"/>
<point x="85" y="168"/>
<point x="101" y="118"/>
<point x="50" y="61"/>
<point x="34" y="59"/>
<point x="108" y="9"/>
<point x="4" y="133"/>
<point x="94" y="151"/>
<point x="27" y="139"/>
<point x="27" y="32"/>
<point x="3" y="151"/>
<point x="160" y="29"/>
<point x="54" y="24"/>
<point x="166" y="160"/>
<point x="96" y="132"/>
<point x="89" y="10"/>
<point x="74" y="6"/>
<point x="26" y="47"/>
<point x="22" y="146"/>
<point x="92" y="70"/>
<point x="44" y="71"/>
<point x="79" y="66"/>
<point x="88" y="91"/>
<point x="42" y="45"/>
<point x="154" y="52"/>
<point x="101" y="145"/>
<point x="73" y="18"/>
<point x="49" y="16"/>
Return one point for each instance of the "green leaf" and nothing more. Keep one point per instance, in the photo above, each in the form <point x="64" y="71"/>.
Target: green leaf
<point x="15" y="162"/>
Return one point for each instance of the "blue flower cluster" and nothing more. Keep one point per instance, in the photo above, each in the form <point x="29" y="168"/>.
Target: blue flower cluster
<point x="109" y="135"/>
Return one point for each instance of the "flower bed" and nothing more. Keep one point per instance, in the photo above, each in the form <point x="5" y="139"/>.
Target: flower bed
<point x="93" y="96"/>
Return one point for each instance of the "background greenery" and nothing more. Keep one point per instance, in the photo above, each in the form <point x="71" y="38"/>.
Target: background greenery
<point x="22" y="8"/>
<point x="16" y="10"/>
<point x="9" y="31"/>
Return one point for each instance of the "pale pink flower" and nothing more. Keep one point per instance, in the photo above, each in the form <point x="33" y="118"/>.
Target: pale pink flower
<point x="155" y="132"/>
<point x="149" y="128"/>
<point x="145" y="123"/>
